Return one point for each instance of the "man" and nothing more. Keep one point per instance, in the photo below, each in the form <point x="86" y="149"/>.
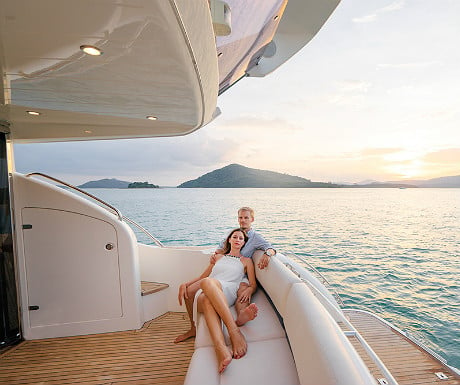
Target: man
<point x="244" y="309"/>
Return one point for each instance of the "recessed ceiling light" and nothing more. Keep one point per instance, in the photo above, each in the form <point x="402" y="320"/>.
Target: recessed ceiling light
<point x="91" y="50"/>
<point x="88" y="132"/>
<point x="35" y="113"/>
<point x="151" y="117"/>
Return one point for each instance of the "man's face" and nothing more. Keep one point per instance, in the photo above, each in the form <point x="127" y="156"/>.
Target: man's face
<point x="245" y="220"/>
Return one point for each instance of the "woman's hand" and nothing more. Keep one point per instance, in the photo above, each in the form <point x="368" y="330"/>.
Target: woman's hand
<point x="183" y="295"/>
<point x="246" y="295"/>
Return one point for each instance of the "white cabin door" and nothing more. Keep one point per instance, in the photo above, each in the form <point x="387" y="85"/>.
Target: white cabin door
<point x="72" y="267"/>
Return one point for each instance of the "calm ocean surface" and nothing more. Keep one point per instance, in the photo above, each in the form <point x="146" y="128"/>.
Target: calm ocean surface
<point x="393" y="251"/>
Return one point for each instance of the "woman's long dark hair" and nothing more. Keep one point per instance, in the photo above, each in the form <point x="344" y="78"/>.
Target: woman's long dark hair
<point x="227" y="246"/>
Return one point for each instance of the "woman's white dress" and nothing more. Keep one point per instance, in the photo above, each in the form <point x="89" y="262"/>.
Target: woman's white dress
<point x="229" y="271"/>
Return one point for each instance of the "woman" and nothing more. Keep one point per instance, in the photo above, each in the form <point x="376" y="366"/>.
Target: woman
<point x="219" y="284"/>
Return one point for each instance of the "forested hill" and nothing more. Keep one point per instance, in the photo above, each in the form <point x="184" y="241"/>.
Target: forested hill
<point x="235" y="175"/>
<point x="105" y="183"/>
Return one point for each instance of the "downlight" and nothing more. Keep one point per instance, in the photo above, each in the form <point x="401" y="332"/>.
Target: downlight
<point x="91" y="50"/>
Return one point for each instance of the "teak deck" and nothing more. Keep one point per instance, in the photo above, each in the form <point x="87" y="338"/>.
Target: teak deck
<point x="144" y="357"/>
<point x="408" y="363"/>
<point x="149" y="357"/>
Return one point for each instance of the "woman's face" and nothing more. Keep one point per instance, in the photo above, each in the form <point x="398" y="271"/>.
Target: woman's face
<point x="237" y="239"/>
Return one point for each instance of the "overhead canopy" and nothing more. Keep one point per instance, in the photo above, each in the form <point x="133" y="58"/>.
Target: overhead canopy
<point x="159" y="60"/>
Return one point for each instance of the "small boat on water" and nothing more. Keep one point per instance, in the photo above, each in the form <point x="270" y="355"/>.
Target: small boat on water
<point x="81" y="300"/>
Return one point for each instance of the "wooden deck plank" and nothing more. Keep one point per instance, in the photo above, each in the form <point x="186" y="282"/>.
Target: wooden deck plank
<point x="408" y="363"/>
<point x="144" y="357"/>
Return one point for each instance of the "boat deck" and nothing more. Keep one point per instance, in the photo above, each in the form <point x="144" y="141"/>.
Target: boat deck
<point x="149" y="357"/>
<point x="408" y="363"/>
<point x="138" y="357"/>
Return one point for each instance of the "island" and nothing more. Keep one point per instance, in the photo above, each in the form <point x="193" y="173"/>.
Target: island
<point x="105" y="183"/>
<point x="142" y="185"/>
<point x="238" y="176"/>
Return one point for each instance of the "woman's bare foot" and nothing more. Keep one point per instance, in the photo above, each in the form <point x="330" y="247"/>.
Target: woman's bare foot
<point x="183" y="337"/>
<point x="239" y="344"/>
<point x="224" y="357"/>
<point x="247" y="314"/>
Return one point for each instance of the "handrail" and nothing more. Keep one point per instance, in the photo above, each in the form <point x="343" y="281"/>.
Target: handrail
<point x="118" y="213"/>
<point x="120" y="217"/>
<point x="158" y="243"/>
<point x="323" y="279"/>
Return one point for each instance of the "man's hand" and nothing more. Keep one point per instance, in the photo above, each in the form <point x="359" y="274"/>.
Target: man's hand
<point x="213" y="258"/>
<point x="183" y="295"/>
<point x="264" y="260"/>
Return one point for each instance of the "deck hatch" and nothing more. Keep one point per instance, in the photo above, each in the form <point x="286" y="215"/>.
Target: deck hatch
<point x="441" y="376"/>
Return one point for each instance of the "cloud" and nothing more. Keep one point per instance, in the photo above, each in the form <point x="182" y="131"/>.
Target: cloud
<point x="365" y="19"/>
<point x="446" y="156"/>
<point x="412" y="65"/>
<point x="172" y="158"/>
<point x="395" y="6"/>
<point x="354" y="86"/>
<point x="256" y="123"/>
<point x="379" y="151"/>
<point x="350" y="93"/>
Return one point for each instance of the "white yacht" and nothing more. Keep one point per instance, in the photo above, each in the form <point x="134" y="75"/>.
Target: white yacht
<point x="81" y="300"/>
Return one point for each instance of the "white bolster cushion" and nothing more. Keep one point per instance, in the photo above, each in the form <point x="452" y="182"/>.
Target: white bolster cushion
<point x="322" y="353"/>
<point x="277" y="280"/>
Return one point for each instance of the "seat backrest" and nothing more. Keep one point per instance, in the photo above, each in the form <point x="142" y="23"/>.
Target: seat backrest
<point x="322" y="353"/>
<point x="276" y="279"/>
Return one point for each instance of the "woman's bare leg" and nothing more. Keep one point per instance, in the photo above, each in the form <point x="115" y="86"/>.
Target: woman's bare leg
<point x="245" y="311"/>
<point x="224" y="356"/>
<point x="213" y="291"/>
<point x="191" y="291"/>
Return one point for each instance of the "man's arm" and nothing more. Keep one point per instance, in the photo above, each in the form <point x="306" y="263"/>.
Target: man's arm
<point x="269" y="251"/>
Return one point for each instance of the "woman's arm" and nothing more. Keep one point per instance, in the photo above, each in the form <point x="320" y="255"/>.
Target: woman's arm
<point x="245" y="295"/>
<point x="250" y="271"/>
<point x="183" y="287"/>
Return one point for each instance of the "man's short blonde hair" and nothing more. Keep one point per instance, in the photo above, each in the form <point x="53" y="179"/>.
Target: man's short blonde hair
<point x="245" y="208"/>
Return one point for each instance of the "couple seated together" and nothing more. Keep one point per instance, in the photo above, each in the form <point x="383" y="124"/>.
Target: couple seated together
<point x="228" y="280"/>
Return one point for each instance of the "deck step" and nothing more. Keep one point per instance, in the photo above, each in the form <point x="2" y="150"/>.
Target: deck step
<point x="154" y="299"/>
<point x="152" y="287"/>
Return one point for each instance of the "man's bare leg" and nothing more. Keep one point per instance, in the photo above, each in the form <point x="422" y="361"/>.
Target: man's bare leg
<point x="245" y="311"/>
<point x="191" y="291"/>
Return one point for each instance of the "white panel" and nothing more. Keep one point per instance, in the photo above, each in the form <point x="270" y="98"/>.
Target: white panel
<point x="71" y="276"/>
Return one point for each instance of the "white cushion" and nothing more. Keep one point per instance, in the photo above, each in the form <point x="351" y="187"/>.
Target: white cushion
<point x="267" y="362"/>
<point x="322" y="353"/>
<point x="277" y="280"/>
<point x="202" y="369"/>
<point x="265" y="326"/>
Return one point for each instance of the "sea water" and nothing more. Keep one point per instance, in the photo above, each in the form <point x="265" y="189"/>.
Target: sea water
<point x="395" y="252"/>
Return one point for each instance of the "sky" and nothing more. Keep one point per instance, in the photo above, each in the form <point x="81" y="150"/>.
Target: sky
<point x="374" y="96"/>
